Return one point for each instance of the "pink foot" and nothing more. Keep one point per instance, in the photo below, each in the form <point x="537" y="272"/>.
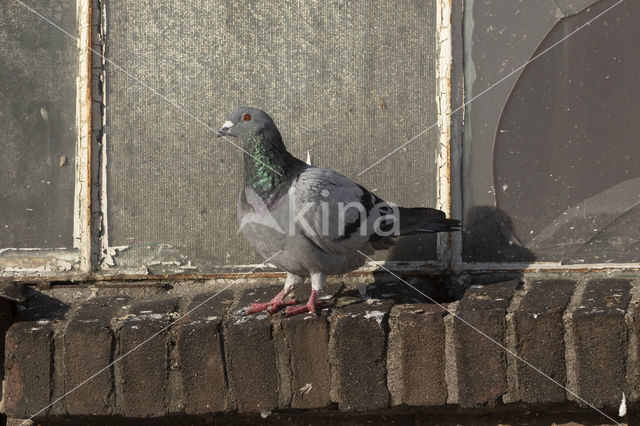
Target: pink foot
<point x="273" y="306"/>
<point x="310" y="306"/>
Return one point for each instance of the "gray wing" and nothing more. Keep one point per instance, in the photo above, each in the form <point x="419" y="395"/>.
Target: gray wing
<point x="339" y="215"/>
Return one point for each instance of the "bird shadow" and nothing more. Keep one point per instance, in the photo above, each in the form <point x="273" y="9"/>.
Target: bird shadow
<point x="39" y="306"/>
<point x="487" y="236"/>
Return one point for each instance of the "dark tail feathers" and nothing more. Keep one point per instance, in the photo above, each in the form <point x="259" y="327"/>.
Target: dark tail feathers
<point x="421" y="219"/>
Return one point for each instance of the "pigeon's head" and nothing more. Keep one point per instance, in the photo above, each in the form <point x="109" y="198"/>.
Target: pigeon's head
<point x="244" y="120"/>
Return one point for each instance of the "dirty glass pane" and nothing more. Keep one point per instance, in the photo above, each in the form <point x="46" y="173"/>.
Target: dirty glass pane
<point x="566" y="173"/>
<point x="38" y="68"/>
<point x="346" y="82"/>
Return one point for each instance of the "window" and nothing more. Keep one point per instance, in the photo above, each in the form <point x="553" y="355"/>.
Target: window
<point x="539" y="163"/>
<point x="40" y="178"/>
<point x="551" y="157"/>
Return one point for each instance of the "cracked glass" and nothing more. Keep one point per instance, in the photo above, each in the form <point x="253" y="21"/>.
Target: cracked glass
<point x="566" y="177"/>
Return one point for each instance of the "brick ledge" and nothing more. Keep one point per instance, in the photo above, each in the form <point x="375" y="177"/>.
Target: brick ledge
<point x="363" y="354"/>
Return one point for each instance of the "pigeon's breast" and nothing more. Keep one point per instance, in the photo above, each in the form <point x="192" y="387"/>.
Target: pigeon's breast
<point x="272" y="231"/>
<point x="264" y="227"/>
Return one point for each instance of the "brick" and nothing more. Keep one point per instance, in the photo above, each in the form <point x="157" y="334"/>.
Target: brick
<point x="307" y="340"/>
<point x="200" y="354"/>
<point x="20" y="422"/>
<point x="39" y="306"/>
<point x="433" y="287"/>
<point x="357" y="353"/>
<point x="540" y="340"/>
<point x="416" y="355"/>
<point x="12" y="291"/>
<point x="27" y="386"/>
<point x="88" y="348"/>
<point x="482" y="364"/>
<point x="601" y="341"/>
<point x="6" y="318"/>
<point x="250" y="354"/>
<point x="142" y="372"/>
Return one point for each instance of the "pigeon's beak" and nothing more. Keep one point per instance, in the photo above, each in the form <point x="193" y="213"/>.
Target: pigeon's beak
<point x="224" y="130"/>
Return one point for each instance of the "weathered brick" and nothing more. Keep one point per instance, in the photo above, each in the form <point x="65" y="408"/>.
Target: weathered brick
<point x="27" y="386"/>
<point x="6" y="318"/>
<point x="481" y="363"/>
<point x="39" y="306"/>
<point x="307" y="340"/>
<point x="250" y="354"/>
<point x="415" y="357"/>
<point x="142" y="372"/>
<point x="601" y="341"/>
<point x="540" y="340"/>
<point x="88" y="348"/>
<point x="357" y="353"/>
<point x="200" y="354"/>
<point x="12" y="291"/>
<point x="20" y="422"/>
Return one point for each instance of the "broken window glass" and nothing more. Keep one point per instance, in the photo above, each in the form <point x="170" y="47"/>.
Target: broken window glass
<point x="564" y="185"/>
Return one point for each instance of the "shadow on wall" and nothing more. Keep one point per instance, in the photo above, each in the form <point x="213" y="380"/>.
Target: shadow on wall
<point x="490" y="238"/>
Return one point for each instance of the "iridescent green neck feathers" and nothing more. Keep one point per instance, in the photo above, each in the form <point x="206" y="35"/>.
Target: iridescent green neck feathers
<point x="268" y="166"/>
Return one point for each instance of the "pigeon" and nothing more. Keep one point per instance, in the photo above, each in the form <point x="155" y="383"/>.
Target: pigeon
<point x="311" y="221"/>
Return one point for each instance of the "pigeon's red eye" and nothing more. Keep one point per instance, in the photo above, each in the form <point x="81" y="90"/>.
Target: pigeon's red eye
<point x="246" y="117"/>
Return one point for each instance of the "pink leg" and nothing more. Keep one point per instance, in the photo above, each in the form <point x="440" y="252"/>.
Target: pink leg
<point x="310" y="306"/>
<point x="273" y="306"/>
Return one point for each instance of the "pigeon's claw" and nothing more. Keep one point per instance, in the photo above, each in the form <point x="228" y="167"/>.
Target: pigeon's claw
<point x="301" y="309"/>
<point x="272" y="306"/>
<point x="311" y="306"/>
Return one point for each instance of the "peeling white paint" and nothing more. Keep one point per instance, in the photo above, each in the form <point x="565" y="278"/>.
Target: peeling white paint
<point x="82" y="202"/>
<point x="377" y="315"/>
<point x="306" y="388"/>
<point x="241" y="320"/>
<point x="65" y="266"/>
<point x="443" y="104"/>
<point x="622" y="411"/>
